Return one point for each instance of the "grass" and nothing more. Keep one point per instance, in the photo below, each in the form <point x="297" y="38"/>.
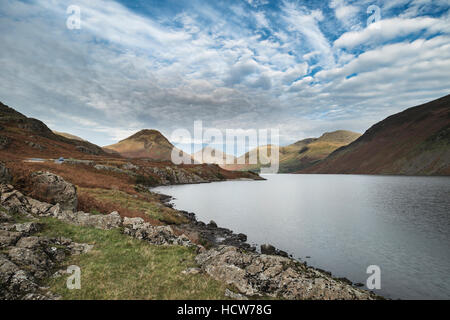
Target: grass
<point x="145" y="205"/>
<point x="120" y="267"/>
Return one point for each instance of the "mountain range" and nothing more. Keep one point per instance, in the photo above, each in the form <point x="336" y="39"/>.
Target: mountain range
<point x="299" y="155"/>
<point x="413" y="142"/>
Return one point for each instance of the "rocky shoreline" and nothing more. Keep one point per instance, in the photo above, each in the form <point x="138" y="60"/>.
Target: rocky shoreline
<point x="27" y="260"/>
<point x="221" y="238"/>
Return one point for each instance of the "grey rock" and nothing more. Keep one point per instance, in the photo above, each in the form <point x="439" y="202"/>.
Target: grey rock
<point x="158" y="235"/>
<point x="28" y="228"/>
<point x="4" y="217"/>
<point x="191" y="271"/>
<point x="8" y="238"/>
<point x="35" y="145"/>
<point x="101" y="167"/>
<point x="105" y="222"/>
<point x="5" y="175"/>
<point x="13" y="201"/>
<point x="268" y="249"/>
<point x="234" y="295"/>
<point x="254" y="274"/>
<point x="55" y="190"/>
<point x="130" y="166"/>
<point x="212" y="224"/>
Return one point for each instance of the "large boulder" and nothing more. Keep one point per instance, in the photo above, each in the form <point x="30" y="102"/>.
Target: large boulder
<point x="99" y="221"/>
<point x="5" y="175"/>
<point x="158" y="235"/>
<point x="54" y="189"/>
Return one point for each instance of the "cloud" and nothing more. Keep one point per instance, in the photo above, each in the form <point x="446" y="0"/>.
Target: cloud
<point x="389" y="29"/>
<point x="290" y="65"/>
<point x="344" y="12"/>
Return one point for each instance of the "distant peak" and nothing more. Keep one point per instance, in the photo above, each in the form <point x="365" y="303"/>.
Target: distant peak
<point x="145" y="133"/>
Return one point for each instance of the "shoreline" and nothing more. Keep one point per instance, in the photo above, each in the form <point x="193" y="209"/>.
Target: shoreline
<point x="219" y="237"/>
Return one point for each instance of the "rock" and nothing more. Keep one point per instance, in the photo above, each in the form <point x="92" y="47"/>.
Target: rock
<point x="176" y="175"/>
<point x="242" y="237"/>
<point x="8" y="238"/>
<point x="212" y="224"/>
<point x="271" y="250"/>
<point x="38" y="207"/>
<point x="130" y="166"/>
<point x="14" y="281"/>
<point x="55" y="189"/>
<point x="28" y="228"/>
<point x="5" y="175"/>
<point x="4" y="217"/>
<point x="99" y="221"/>
<point x="86" y="150"/>
<point x="79" y="248"/>
<point x="4" y="142"/>
<point x="191" y="271"/>
<point x="79" y="162"/>
<point x="235" y="296"/>
<point x="158" y="235"/>
<point x="101" y="167"/>
<point x="282" y="253"/>
<point x="35" y="145"/>
<point x="268" y="249"/>
<point x="255" y="274"/>
<point x="13" y="201"/>
<point x="29" y="262"/>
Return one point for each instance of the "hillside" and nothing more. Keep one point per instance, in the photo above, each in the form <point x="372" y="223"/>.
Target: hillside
<point x="301" y="154"/>
<point x="413" y="142"/>
<point x="68" y="135"/>
<point x="22" y="137"/>
<point x="145" y="144"/>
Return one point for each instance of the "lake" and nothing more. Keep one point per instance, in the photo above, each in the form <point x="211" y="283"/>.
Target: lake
<point x="341" y="223"/>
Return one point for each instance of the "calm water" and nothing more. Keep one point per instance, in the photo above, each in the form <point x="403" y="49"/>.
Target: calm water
<point x="343" y="223"/>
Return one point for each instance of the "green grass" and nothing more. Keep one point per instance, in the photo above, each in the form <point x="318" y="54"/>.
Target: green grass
<point x="120" y="267"/>
<point x="151" y="208"/>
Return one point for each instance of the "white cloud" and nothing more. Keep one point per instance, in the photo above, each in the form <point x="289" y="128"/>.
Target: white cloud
<point x="388" y="29"/>
<point x="345" y="12"/>
<point x="124" y="71"/>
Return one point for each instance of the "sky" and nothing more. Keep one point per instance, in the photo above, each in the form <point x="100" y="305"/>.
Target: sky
<point x="302" y="67"/>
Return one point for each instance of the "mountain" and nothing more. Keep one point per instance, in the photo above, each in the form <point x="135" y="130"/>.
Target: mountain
<point x="22" y="137"/>
<point x="300" y="154"/>
<point x="305" y="153"/>
<point x="148" y="144"/>
<point x="413" y="142"/>
<point x="68" y="136"/>
<point x="210" y="155"/>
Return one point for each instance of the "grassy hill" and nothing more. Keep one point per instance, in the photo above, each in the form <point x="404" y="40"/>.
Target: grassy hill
<point x="301" y="154"/>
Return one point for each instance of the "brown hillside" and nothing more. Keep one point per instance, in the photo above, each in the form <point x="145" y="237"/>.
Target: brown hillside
<point x="22" y="137"/>
<point x="413" y="142"/>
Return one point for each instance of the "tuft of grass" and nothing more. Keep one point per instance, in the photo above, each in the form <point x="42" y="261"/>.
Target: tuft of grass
<point x="120" y="267"/>
<point x="134" y="205"/>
